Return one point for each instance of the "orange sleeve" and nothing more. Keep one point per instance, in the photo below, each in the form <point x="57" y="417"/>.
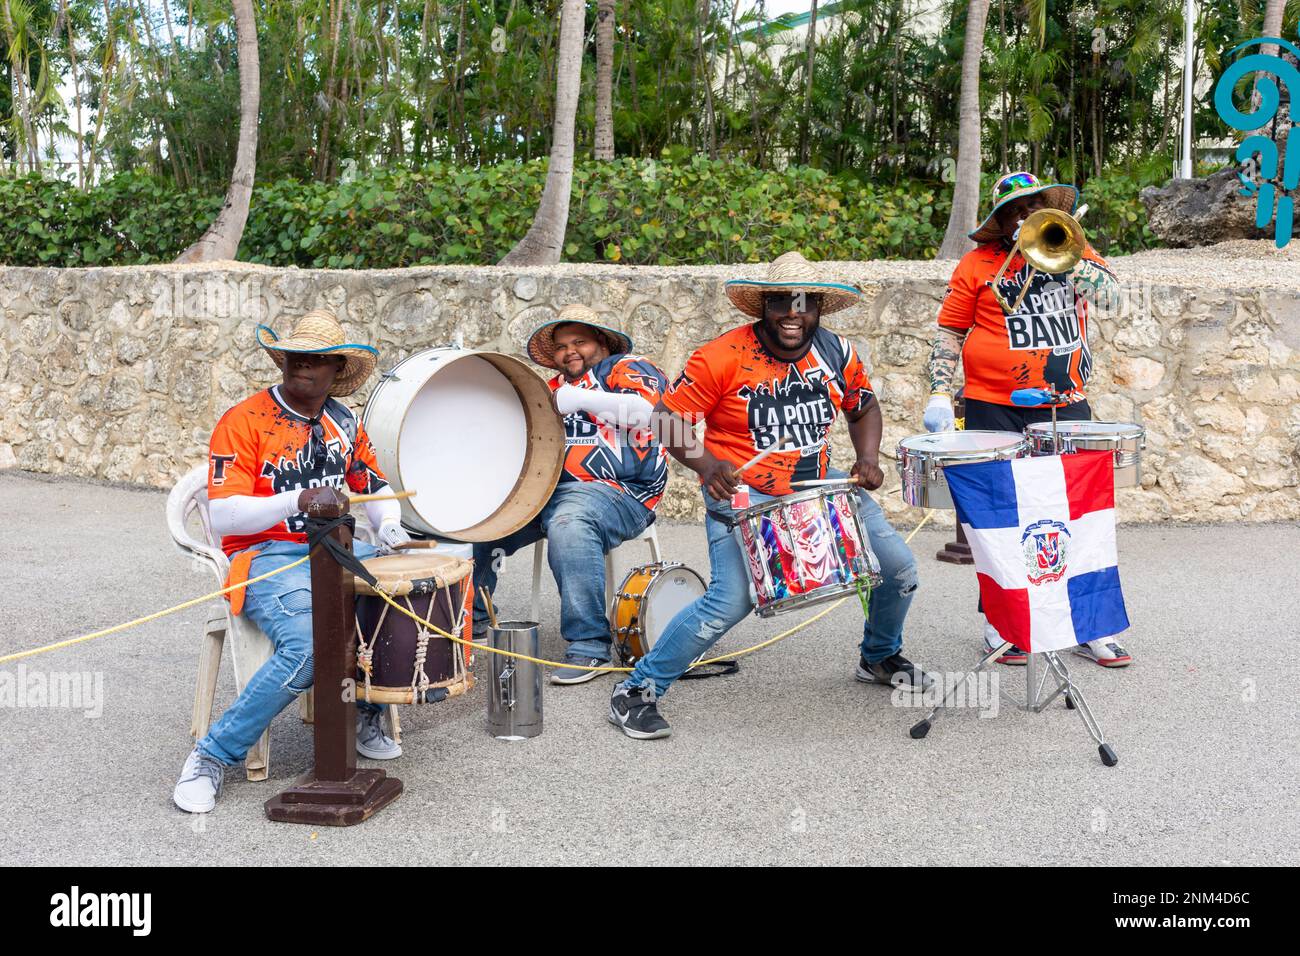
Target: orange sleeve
<point x="958" y="308"/>
<point x="232" y="457"/>
<point x="638" y="376"/>
<point x="697" y="390"/>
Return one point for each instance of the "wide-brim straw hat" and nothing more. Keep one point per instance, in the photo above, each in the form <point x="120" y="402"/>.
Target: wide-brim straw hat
<point x="541" y="344"/>
<point x="792" y="273"/>
<point x="1013" y="186"/>
<point x="320" y="333"/>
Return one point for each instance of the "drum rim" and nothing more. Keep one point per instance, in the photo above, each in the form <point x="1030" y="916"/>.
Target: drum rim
<point x="795" y="497"/>
<point x="1040" y="429"/>
<point x="1020" y="437"/>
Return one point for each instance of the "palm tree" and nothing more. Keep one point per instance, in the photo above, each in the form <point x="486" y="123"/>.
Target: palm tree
<point x="542" y="243"/>
<point x="966" y="188"/>
<point x="221" y="241"/>
<point x="604" y="146"/>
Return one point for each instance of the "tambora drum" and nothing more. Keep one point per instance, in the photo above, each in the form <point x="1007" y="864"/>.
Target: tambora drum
<point x="399" y="661"/>
<point x="921" y="459"/>
<point x="806" y="548"/>
<point x="649" y="597"/>
<point x="474" y="434"/>
<point x="1125" y="439"/>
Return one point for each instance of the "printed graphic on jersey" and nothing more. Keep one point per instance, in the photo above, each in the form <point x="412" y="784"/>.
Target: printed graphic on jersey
<point x="1044" y="344"/>
<point x="596" y="451"/>
<point x="750" y="400"/>
<point x="262" y="447"/>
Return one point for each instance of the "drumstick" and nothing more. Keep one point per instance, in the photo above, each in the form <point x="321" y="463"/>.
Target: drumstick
<point x="395" y="496"/>
<point x="487" y="603"/>
<point x="818" y="482"/>
<point x="763" y="454"/>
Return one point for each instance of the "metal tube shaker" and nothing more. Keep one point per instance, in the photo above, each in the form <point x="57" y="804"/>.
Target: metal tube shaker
<point x="515" y="690"/>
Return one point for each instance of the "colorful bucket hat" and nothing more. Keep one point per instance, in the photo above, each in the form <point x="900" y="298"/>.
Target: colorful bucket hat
<point x="320" y="332"/>
<point x="541" y="344"/>
<point x="1014" y="186"/>
<point x="790" y="272"/>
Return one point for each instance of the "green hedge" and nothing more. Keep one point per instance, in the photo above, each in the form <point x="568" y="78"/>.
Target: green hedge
<point x="632" y="211"/>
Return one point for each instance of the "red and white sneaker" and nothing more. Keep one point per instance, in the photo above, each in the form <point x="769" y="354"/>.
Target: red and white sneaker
<point x="1013" y="655"/>
<point x="1105" y="651"/>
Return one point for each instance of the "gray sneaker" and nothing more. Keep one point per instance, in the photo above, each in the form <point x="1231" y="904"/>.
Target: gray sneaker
<point x="576" y="675"/>
<point x="372" y="742"/>
<point x="200" y="782"/>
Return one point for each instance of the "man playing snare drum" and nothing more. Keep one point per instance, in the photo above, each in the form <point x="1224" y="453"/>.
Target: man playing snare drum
<point x="781" y="378"/>
<point x="1043" y="344"/>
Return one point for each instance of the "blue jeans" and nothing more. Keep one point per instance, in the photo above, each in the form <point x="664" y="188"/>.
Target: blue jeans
<point x="583" y="521"/>
<point x="281" y="607"/>
<point x="726" y="601"/>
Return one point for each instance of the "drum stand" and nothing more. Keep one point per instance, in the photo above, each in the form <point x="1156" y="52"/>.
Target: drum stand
<point x="1035" y="701"/>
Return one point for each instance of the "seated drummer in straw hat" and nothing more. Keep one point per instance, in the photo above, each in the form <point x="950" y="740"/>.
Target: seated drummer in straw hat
<point x="782" y="376"/>
<point x="273" y="456"/>
<point x="614" y="475"/>
<point x="1043" y="344"/>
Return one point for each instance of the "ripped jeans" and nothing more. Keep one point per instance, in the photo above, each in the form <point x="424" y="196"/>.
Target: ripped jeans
<point x="725" y="603"/>
<point x="281" y="607"/>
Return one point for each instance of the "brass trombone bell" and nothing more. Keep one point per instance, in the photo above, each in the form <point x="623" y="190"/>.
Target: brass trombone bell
<point x="1051" y="241"/>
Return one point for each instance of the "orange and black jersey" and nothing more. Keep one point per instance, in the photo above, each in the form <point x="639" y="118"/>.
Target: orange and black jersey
<point x="262" y="447"/>
<point x="631" y="462"/>
<point x="750" y="400"/>
<point x="1043" y="344"/>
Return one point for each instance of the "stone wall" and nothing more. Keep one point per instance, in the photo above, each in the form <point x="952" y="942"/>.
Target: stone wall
<point x="119" y="374"/>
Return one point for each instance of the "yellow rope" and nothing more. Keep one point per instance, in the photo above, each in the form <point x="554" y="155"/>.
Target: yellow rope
<point x="624" y="670"/>
<point x="152" y="617"/>
<point x="262" y="577"/>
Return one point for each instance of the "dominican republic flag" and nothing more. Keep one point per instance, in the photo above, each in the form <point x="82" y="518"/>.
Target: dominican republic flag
<point x="1042" y="532"/>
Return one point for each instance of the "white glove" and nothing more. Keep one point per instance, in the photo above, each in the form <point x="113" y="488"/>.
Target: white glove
<point x="939" y="416"/>
<point x="391" y="534"/>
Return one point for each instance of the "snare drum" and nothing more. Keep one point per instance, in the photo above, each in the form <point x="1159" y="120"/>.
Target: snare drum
<point x="1125" y="439"/>
<point x="649" y="597"/>
<point x="398" y="661"/>
<point x="921" y="459"/>
<point x="806" y="548"/>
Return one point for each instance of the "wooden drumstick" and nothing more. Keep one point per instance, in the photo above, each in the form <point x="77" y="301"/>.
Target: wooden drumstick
<point x="395" y="496"/>
<point x="819" y="482"/>
<point x="763" y="454"/>
<point x="487" y="603"/>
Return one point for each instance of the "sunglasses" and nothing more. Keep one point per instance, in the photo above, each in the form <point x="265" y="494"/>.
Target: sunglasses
<point x="316" y="446"/>
<point x="1009" y="184"/>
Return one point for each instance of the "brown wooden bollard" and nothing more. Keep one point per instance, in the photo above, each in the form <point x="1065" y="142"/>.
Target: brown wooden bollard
<point x="334" y="793"/>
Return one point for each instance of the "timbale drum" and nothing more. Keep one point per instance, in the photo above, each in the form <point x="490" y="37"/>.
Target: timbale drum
<point x="921" y="460"/>
<point x="1125" y="439"/>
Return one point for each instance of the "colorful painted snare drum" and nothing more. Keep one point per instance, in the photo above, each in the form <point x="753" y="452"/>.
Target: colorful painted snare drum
<point x="806" y="548"/>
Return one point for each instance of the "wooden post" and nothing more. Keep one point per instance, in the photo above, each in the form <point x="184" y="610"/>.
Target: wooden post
<point x="958" y="552"/>
<point x="334" y="793"/>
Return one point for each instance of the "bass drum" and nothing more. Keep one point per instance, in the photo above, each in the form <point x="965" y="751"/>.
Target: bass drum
<point x="474" y="434"/>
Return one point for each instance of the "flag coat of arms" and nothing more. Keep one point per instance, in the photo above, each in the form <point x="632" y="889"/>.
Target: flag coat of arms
<point x="1042" y="533"/>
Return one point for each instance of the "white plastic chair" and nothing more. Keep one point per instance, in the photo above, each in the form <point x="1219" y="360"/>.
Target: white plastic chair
<point x="249" y="647"/>
<point x="539" y="558"/>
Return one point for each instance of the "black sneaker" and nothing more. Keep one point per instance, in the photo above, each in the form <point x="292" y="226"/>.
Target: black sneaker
<point x="896" y="671"/>
<point x="633" y="710"/>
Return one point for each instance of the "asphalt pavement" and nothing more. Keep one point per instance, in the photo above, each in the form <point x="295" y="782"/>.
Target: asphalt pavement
<point x="788" y="761"/>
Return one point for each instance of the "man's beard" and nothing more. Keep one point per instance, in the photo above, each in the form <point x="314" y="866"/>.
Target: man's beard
<point x="774" y="333"/>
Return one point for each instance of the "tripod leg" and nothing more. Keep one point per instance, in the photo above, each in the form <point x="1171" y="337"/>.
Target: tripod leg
<point x="922" y="727"/>
<point x="1080" y="704"/>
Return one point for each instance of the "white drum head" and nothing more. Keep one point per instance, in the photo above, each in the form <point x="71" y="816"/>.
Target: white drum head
<point x="1084" y="429"/>
<point x="668" y="593"/>
<point x="464" y="480"/>
<point x="961" y="441"/>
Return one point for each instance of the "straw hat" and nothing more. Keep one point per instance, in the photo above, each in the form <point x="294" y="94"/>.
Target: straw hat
<point x="541" y="344"/>
<point x="320" y="332"/>
<point x="1014" y="186"/>
<point x="790" y="272"/>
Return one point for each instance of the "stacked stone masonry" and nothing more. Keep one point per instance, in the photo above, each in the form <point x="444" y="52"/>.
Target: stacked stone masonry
<point x="120" y="374"/>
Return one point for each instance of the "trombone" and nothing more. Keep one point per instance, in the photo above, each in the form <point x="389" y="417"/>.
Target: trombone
<point x="1051" y="241"/>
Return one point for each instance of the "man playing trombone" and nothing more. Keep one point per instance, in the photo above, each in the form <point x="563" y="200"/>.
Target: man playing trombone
<point x="1016" y="326"/>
